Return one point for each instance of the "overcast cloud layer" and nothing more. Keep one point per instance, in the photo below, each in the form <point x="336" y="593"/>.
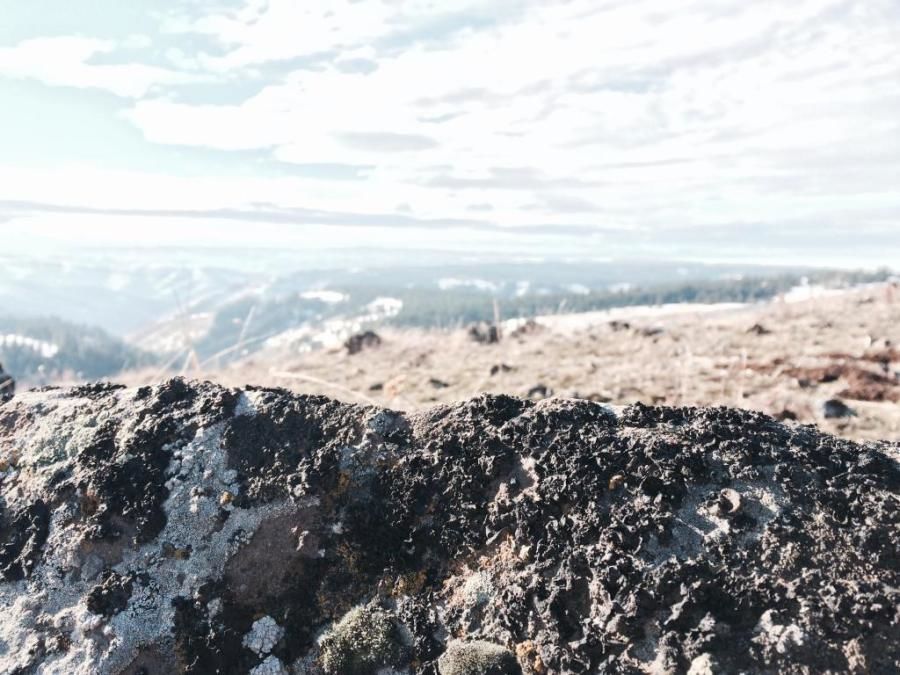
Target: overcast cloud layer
<point x="757" y="123"/>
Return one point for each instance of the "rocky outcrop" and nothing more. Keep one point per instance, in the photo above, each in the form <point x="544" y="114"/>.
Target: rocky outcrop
<point x="191" y="528"/>
<point x="360" y="341"/>
<point x="7" y="386"/>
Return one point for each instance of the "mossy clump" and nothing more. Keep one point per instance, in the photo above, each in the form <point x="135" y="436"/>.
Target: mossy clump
<point x="477" y="657"/>
<point x="366" y="639"/>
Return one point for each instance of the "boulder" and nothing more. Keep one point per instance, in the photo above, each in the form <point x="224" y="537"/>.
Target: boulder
<point x="617" y="326"/>
<point x="758" y="329"/>
<point x="360" y="341"/>
<point x="190" y="528"/>
<point x="539" y="391"/>
<point x="7" y="386"/>
<point x="484" y="333"/>
<point x="835" y="408"/>
<point x="527" y="328"/>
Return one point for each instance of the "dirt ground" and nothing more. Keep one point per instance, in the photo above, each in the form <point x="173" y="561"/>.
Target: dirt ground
<point x="783" y="358"/>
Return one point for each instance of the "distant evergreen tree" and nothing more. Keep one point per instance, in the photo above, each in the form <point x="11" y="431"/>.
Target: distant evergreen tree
<point x="52" y="347"/>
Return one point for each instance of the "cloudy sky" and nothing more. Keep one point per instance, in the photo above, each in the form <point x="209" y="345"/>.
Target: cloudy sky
<point x="710" y="128"/>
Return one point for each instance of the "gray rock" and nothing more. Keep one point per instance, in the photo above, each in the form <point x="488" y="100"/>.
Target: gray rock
<point x="188" y="528"/>
<point x="835" y="408"/>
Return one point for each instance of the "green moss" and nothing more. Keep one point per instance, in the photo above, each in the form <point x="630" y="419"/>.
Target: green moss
<point x="365" y="639"/>
<point x="477" y="657"/>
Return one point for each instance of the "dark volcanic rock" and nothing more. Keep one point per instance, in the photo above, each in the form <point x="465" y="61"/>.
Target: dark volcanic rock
<point x="190" y="528"/>
<point x="530" y="327"/>
<point x="7" y="386"/>
<point x="539" y="391"/>
<point x="484" y="333"/>
<point x="365" y="340"/>
<point x="835" y="408"/>
<point x="758" y="329"/>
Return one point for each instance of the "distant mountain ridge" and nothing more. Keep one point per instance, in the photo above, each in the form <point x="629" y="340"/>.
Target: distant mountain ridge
<point x="254" y="322"/>
<point x="40" y="350"/>
<point x="206" y="310"/>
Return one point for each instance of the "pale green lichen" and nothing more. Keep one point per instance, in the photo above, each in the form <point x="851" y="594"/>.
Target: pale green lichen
<point x="365" y="640"/>
<point x="477" y="657"/>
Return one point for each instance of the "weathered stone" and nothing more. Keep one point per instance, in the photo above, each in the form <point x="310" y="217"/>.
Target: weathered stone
<point x="7" y="385"/>
<point x="569" y="538"/>
<point x="360" y="341"/>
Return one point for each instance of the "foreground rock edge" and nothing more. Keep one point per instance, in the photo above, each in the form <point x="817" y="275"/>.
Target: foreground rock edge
<point x="191" y="528"/>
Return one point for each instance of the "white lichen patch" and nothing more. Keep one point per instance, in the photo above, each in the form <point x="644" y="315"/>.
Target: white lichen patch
<point x="263" y="636"/>
<point x="781" y="636"/>
<point x="271" y="666"/>
<point x="55" y="594"/>
<point x="525" y="477"/>
<point x="702" y="665"/>
<point x="478" y="589"/>
<point x="214" y="607"/>
<point x="246" y="404"/>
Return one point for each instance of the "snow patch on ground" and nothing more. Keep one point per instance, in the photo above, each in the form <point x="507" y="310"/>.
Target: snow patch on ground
<point x="46" y="349"/>
<point x="566" y="323"/>
<point x="449" y="283"/>
<point x="329" y="297"/>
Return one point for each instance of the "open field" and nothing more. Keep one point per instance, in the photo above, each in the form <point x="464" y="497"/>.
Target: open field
<point x="785" y="358"/>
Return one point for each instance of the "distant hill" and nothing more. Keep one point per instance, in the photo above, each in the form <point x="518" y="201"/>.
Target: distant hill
<point x="425" y="308"/>
<point x="312" y="319"/>
<point x="40" y="350"/>
<point x="788" y="359"/>
<point x="120" y="294"/>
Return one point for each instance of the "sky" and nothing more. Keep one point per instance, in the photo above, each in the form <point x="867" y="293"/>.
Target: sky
<point x="694" y="128"/>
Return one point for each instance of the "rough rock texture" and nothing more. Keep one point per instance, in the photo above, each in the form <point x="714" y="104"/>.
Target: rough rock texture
<point x="191" y="528"/>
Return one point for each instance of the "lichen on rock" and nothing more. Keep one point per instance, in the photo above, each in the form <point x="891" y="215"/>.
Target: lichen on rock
<point x="365" y="640"/>
<point x="189" y="528"/>
<point x="263" y="636"/>
<point x="477" y="657"/>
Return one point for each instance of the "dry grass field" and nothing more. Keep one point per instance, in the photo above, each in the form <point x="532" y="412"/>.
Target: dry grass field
<point x="785" y="358"/>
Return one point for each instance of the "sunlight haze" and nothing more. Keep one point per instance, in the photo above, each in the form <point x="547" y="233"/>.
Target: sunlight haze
<point x="695" y="125"/>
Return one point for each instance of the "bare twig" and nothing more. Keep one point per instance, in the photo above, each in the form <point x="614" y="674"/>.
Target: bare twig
<point x="165" y="368"/>
<point x="243" y="335"/>
<point x="317" y="380"/>
<point x="235" y="347"/>
<point x="189" y="361"/>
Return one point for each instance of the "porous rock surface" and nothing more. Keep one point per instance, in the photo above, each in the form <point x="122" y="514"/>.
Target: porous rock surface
<point x="192" y="528"/>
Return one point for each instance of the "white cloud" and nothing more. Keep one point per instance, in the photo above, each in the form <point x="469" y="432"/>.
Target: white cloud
<point x="65" y="61"/>
<point x="633" y="113"/>
<point x="263" y="31"/>
<point x="654" y="117"/>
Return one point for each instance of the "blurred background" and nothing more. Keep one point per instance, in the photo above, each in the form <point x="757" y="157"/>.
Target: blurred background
<point x="411" y="202"/>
